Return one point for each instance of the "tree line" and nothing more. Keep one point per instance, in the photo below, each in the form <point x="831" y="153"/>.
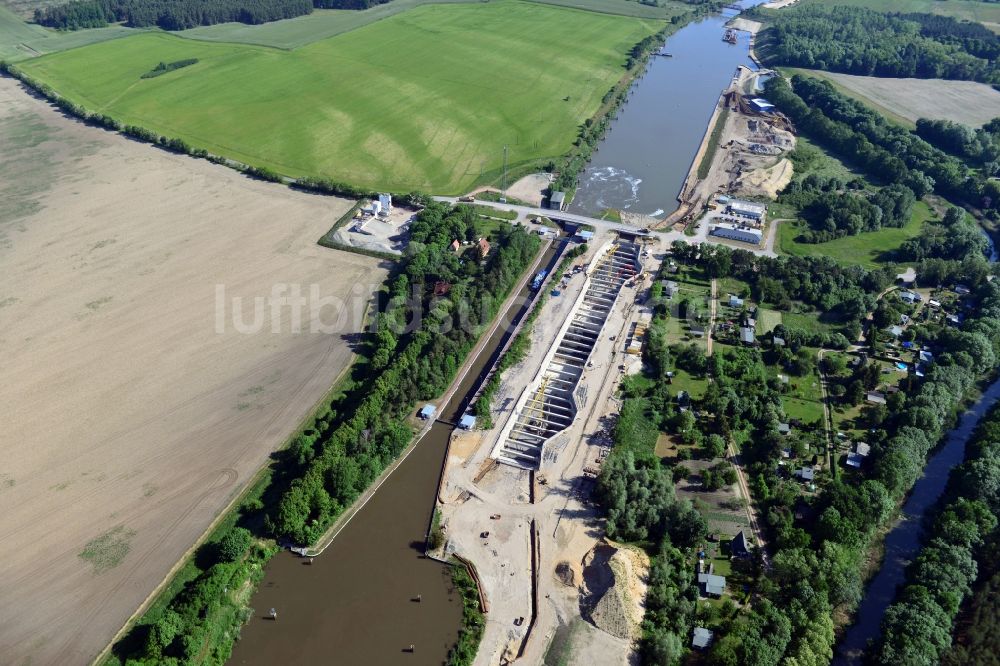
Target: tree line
<point x="856" y="40"/>
<point x="164" y="67"/>
<point x="889" y="153"/>
<point x="636" y="494"/>
<point x="181" y="14"/>
<point x="956" y="236"/>
<point x="980" y="147"/>
<point x="167" y="14"/>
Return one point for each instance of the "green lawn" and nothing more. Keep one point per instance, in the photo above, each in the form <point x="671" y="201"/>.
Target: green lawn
<point x="421" y="100"/>
<point x="866" y="249"/>
<point x="683" y="381"/>
<point x="803" y="399"/>
<point x="767" y="320"/>
<point x="807" y="321"/>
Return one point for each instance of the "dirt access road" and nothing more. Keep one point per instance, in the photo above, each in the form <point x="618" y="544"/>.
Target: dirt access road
<point x="130" y="422"/>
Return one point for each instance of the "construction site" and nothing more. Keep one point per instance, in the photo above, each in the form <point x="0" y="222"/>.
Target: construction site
<point x="515" y="499"/>
<point x="742" y="154"/>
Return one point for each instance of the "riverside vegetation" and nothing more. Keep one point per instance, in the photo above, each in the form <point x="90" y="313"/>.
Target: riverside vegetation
<point x="961" y="540"/>
<point x="347" y="443"/>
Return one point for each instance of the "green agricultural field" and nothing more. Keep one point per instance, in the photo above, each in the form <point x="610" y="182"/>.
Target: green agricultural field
<point x="866" y="249"/>
<point x="421" y="100"/>
<point x="325" y="23"/>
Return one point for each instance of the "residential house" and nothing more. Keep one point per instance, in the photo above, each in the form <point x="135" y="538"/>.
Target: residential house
<point x="875" y="398"/>
<point x="713" y="585"/>
<point x="738" y="546"/>
<point x="702" y="638"/>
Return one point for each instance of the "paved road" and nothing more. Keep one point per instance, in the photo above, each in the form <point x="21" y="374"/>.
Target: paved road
<point x="701" y="236"/>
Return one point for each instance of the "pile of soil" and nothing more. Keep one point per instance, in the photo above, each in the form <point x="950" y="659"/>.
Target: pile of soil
<point x="565" y="575"/>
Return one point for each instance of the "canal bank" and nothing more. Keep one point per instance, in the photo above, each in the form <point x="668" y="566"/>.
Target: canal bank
<point x="644" y="158"/>
<point x="373" y="593"/>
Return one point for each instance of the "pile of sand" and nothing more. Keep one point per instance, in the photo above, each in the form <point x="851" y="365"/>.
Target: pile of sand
<point x="766" y="182"/>
<point x="619" y="604"/>
<point x="611" y="614"/>
<point x="753" y="27"/>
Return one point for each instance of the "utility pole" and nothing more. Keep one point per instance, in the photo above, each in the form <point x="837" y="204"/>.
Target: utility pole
<point x="503" y="180"/>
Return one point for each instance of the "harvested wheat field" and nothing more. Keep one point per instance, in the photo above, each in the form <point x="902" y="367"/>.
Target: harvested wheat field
<point x="964" y="102"/>
<point x="130" y="420"/>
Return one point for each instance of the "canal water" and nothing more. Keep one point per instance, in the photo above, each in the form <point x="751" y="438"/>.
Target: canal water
<point x="903" y="542"/>
<point x="641" y="164"/>
<point x="355" y="603"/>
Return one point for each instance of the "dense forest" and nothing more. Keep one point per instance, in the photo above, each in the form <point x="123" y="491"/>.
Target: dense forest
<point x="861" y="41"/>
<point x="181" y="14"/>
<point x="818" y="546"/>
<point x="888" y="153"/>
<point x="419" y="343"/>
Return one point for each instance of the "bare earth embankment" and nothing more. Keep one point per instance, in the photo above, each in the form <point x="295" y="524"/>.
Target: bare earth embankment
<point x="129" y="421"/>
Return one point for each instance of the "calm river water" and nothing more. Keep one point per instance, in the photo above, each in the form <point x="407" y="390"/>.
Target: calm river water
<point x="642" y="162"/>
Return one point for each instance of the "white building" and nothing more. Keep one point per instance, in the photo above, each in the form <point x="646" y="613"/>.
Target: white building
<point x="374" y="208"/>
<point x="385" y="203"/>
<point x="754" y="211"/>
<point x="743" y="234"/>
